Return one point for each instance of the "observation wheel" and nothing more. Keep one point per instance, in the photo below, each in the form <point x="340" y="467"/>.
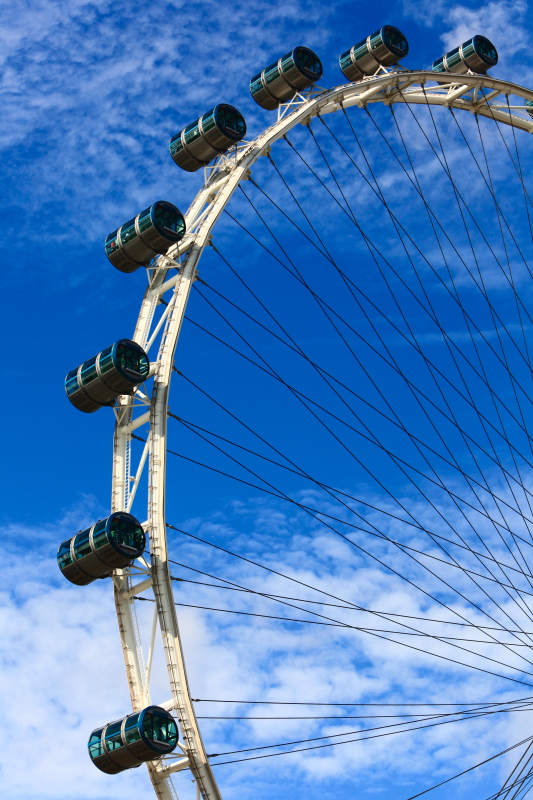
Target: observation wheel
<point x="145" y="365"/>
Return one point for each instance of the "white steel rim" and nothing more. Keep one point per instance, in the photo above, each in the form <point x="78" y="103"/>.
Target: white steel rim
<point x="475" y="93"/>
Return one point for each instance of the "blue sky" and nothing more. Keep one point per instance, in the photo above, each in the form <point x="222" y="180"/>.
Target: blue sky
<point x="91" y="93"/>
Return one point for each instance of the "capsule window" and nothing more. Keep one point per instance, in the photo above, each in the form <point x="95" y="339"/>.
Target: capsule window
<point x="100" y="534"/>
<point x="71" y="382"/>
<point x="88" y="371"/>
<point x="308" y="62"/>
<point x="128" y="232"/>
<point x="360" y="50"/>
<point x="131" y="729"/>
<point x="96" y="747"/>
<point x="133" y="360"/>
<point x="82" y="546"/>
<point x="112" y="243"/>
<point x="230" y="121"/>
<point x="176" y="145"/>
<point x="113" y="737"/>
<point x="486" y="50"/>
<point x="345" y="60"/>
<point x="126" y="534"/>
<point x="395" y="40"/>
<point x="106" y="360"/>
<point x="271" y="73"/>
<point x="256" y="84"/>
<point x="63" y="554"/>
<point x="192" y="132"/>
<point x="145" y="220"/>
<point x="160" y="729"/>
<point x="453" y="58"/>
<point x="169" y="218"/>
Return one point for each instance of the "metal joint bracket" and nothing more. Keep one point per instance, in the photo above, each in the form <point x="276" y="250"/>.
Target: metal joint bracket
<point x="135" y="423"/>
<point x="165" y="768"/>
<point x="138" y="588"/>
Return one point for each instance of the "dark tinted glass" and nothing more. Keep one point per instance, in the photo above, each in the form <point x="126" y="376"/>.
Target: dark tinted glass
<point x="486" y="50"/>
<point x="170" y="219"/>
<point x="105" y="361"/>
<point x="71" y="382"/>
<point x="88" y="371"/>
<point x="230" y="121"/>
<point x="192" y="132"/>
<point x="111" y="243"/>
<point x="132" y="360"/>
<point x="438" y="65"/>
<point x="128" y="232"/>
<point x="131" y="730"/>
<point x="100" y="534"/>
<point x="127" y="535"/>
<point x="160" y="729"/>
<point x="395" y="40"/>
<point x="113" y="739"/>
<point x="271" y="72"/>
<point x="255" y="84"/>
<point x="63" y="555"/>
<point x="145" y="219"/>
<point x="453" y="58"/>
<point x="360" y="50"/>
<point x="208" y="120"/>
<point x="308" y="62"/>
<point x="95" y="744"/>
<point x="176" y="144"/>
<point x="81" y="544"/>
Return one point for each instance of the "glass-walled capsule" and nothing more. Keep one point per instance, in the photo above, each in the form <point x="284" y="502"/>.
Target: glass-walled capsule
<point x="112" y="543"/>
<point x="384" y="47"/>
<point x="292" y="73"/>
<point x="148" y="234"/>
<point x="207" y="137"/>
<point x="101" y="379"/>
<point x="529" y="107"/>
<point x="142" y="736"/>
<point x="476" y="55"/>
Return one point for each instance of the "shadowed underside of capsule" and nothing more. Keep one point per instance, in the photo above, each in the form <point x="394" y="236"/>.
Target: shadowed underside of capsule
<point x="148" y="234"/>
<point x="293" y="72"/>
<point x="112" y="543"/>
<point x="384" y="47"/>
<point x="475" y="55"/>
<point x="203" y="140"/>
<point x="101" y="379"/>
<point x="129" y="742"/>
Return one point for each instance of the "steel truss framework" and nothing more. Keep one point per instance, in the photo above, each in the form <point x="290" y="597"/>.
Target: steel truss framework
<point x="170" y="281"/>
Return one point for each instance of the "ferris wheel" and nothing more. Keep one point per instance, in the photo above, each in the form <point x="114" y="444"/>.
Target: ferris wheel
<point x="133" y="376"/>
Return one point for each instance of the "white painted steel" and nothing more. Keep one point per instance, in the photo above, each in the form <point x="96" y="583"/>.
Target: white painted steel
<point x="399" y="86"/>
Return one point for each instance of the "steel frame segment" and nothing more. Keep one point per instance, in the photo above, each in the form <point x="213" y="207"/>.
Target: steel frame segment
<point x="393" y="86"/>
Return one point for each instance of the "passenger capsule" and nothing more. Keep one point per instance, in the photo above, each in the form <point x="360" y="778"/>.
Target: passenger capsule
<point x="101" y="379"/>
<point x="382" y="48"/>
<point x="207" y="137"/>
<point x="112" y="543"/>
<point x="529" y="107"/>
<point x="143" y="736"/>
<point x="148" y="234"/>
<point x="292" y="73"/>
<point x="476" y="55"/>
